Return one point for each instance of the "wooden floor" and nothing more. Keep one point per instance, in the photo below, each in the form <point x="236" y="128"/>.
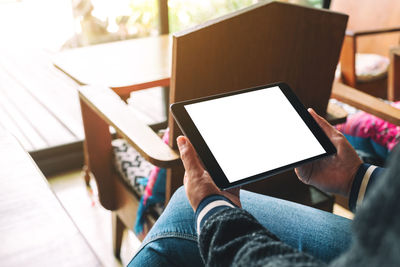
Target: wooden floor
<point x="92" y="219"/>
<point x="39" y="106"/>
<point x="38" y="103"/>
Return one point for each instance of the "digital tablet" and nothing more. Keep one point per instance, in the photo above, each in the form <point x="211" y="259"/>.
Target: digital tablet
<point x="251" y="134"/>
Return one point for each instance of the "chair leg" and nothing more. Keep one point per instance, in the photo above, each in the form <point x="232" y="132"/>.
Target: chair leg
<point x="86" y="168"/>
<point x="86" y="175"/>
<point x="117" y="232"/>
<point x="165" y="96"/>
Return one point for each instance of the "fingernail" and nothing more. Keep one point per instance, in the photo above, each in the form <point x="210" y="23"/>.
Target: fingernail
<point x="181" y="141"/>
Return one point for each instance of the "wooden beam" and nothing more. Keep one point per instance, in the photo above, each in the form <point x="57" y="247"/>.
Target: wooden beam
<point x="58" y="159"/>
<point x="163" y="16"/>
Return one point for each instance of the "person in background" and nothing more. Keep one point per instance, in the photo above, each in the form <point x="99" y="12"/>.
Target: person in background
<point x="205" y="226"/>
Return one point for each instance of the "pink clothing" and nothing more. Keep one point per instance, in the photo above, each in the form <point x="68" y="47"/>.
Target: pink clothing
<point x="365" y="125"/>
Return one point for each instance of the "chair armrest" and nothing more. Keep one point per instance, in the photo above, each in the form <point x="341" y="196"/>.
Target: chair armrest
<point x="117" y="114"/>
<point x="371" y="32"/>
<point x="366" y="102"/>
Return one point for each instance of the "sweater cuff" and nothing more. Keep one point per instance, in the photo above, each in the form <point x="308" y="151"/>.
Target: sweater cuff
<point x="364" y="179"/>
<point x="208" y="206"/>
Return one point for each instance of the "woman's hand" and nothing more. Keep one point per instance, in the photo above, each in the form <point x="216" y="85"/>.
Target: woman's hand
<point x="335" y="173"/>
<point x="198" y="183"/>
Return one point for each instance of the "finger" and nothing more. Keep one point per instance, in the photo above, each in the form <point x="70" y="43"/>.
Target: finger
<point x="189" y="157"/>
<point x="326" y="126"/>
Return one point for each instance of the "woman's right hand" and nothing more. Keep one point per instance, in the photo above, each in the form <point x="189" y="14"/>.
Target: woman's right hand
<point x="334" y="173"/>
<point x="198" y="183"/>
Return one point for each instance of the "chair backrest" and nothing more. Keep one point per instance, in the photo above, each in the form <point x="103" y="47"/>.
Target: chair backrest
<point x="371" y="15"/>
<point x="265" y="43"/>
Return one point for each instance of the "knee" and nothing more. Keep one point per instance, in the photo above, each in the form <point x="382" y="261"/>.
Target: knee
<point x="179" y="196"/>
<point x="177" y="217"/>
<point x="178" y="204"/>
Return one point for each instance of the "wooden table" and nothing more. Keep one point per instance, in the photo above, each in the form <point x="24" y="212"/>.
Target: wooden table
<point x="35" y="229"/>
<point x="123" y="66"/>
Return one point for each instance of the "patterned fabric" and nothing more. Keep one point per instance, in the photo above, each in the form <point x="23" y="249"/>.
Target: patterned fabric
<point x="371" y="67"/>
<point x="131" y="166"/>
<point x="147" y="180"/>
<point x="154" y="194"/>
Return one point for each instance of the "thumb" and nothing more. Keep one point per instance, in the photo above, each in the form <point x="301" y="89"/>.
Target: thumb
<point x="326" y="126"/>
<point x="189" y="156"/>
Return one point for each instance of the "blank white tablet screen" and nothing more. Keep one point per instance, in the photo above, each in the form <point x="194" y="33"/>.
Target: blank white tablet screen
<point x="253" y="132"/>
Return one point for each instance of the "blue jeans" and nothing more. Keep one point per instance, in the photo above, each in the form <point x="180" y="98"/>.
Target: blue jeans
<point x="173" y="240"/>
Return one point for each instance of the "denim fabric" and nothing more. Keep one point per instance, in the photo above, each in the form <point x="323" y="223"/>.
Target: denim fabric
<point x="173" y="240"/>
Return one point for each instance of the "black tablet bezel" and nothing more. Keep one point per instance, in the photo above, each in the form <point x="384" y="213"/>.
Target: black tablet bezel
<point x="210" y="163"/>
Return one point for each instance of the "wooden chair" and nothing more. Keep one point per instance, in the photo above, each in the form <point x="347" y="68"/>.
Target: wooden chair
<point x="264" y="43"/>
<point x="369" y="103"/>
<point x="372" y="29"/>
<point x="394" y="74"/>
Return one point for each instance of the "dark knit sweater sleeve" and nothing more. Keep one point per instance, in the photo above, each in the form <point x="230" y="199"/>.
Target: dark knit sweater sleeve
<point x="233" y="237"/>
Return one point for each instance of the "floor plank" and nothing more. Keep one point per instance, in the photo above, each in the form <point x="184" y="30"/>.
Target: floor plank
<point x="34" y="112"/>
<point x="9" y="125"/>
<point x="33" y="70"/>
<point x="18" y="123"/>
<point x="39" y="104"/>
